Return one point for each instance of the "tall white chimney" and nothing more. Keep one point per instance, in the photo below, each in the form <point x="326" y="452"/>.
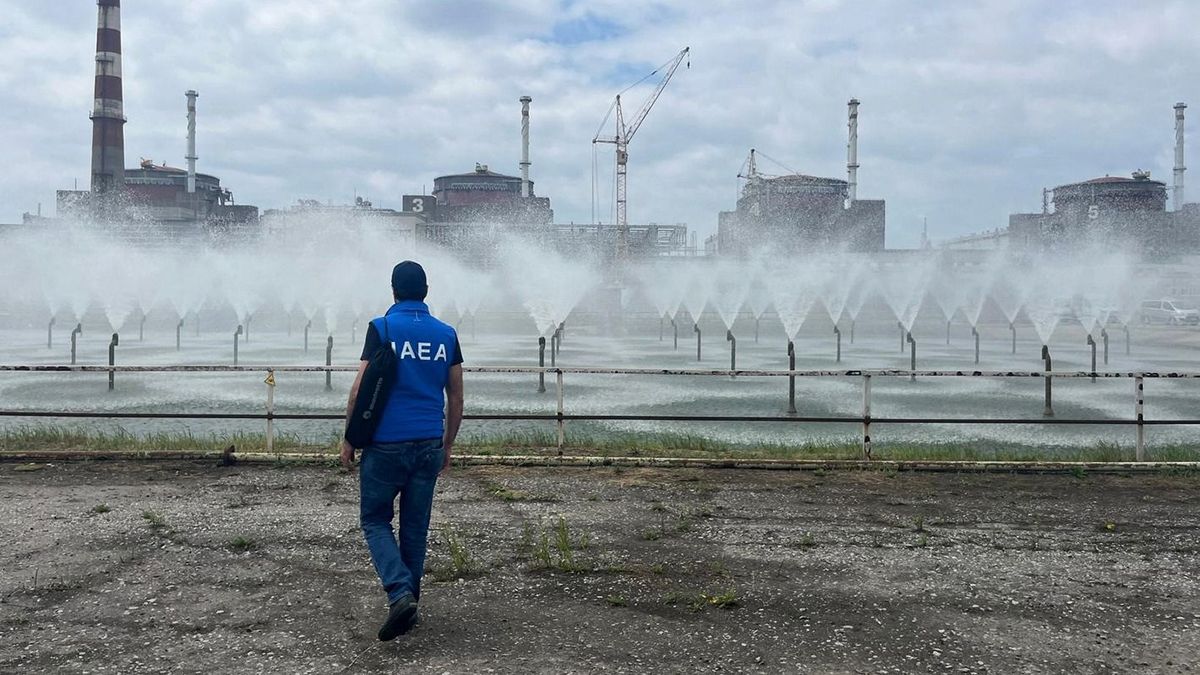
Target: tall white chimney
<point x="525" y="101"/>
<point x="1178" y="195"/>
<point x="191" y="140"/>
<point x="852" y="154"/>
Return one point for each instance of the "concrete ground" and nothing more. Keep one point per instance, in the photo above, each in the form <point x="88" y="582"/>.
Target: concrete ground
<point x="125" y="567"/>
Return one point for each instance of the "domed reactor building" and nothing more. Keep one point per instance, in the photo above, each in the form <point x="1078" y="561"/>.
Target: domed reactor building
<point x="801" y="214"/>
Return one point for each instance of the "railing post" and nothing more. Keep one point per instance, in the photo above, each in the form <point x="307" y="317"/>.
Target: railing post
<point x="270" y="382"/>
<point x="791" y="351"/>
<point x="112" y="360"/>
<point x="866" y="416"/>
<point x="74" y="336"/>
<point x="329" y="362"/>
<point x="541" y="364"/>
<point x="1139" y="409"/>
<point x="562" y="432"/>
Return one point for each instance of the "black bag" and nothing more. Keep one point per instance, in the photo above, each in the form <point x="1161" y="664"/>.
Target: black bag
<point x="378" y="380"/>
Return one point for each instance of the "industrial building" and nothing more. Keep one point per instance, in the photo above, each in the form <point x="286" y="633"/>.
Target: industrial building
<point x="172" y="202"/>
<point x="797" y="213"/>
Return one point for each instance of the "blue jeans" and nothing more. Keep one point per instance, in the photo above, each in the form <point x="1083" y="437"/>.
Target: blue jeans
<point x="410" y="470"/>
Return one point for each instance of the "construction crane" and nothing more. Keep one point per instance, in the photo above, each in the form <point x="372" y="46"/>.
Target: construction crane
<point x="624" y="134"/>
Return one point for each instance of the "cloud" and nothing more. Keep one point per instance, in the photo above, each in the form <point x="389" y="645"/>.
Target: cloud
<point x="969" y="109"/>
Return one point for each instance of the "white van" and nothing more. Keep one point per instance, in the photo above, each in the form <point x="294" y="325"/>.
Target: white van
<point x="1167" y="311"/>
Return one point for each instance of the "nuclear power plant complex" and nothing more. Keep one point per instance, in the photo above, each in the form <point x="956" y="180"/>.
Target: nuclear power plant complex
<point x="471" y="210"/>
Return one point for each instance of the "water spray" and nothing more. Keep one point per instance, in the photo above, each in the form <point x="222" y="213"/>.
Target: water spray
<point x="1092" y="343"/>
<point x="791" y="351"/>
<point x="178" y="330"/>
<point x="837" y="332"/>
<point x="1104" y="336"/>
<point x="975" y="334"/>
<point x="1049" y="410"/>
<point x="236" y="334"/>
<point x="732" y="350"/>
<point x="912" y="356"/>
<point x="541" y="364"/>
<point x="50" y="334"/>
<point x="306" y="327"/>
<point x="696" y="328"/>
<point x="112" y="360"/>
<point x="75" y="333"/>
<point x="329" y="362"/>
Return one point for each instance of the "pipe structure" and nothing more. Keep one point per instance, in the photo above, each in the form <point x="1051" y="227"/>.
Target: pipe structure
<point x="1104" y="336"/>
<point x="541" y="364"/>
<point x="112" y="359"/>
<point x="1126" y="327"/>
<point x="142" y="329"/>
<point x="912" y="356"/>
<point x="837" y="333"/>
<point x="1091" y="341"/>
<point x="1177" y="194"/>
<point x="554" y="349"/>
<point x="852" y="322"/>
<point x="675" y="330"/>
<point x="947" y="331"/>
<point x="791" y="351"/>
<point x="191" y="142"/>
<point x="78" y="330"/>
<point x="852" y="152"/>
<point x="732" y="350"/>
<point x="474" y="318"/>
<point x="562" y="331"/>
<point x="660" y="329"/>
<point x="247" y="335"/>
<point x="1013" y="327"/>
<point x="526" y="188"/>
<point x="108" y="114"/>
<point x="354" y="332"/>
<point x="903" y="334"/>
<point x="1049" y="410"/>
<point x="696" y="328"/>
<point x="178" y="330"/>
<point x="756" y="320"/>
<point x="306" y="327"/>
<point x="50" y="334"/>
<point x="975" y="334"/>
<point x="236" y="334"/>
<point x="329" y="362"/>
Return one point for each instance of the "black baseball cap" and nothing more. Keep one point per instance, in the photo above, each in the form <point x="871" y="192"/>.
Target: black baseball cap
<point x="409" y="282"/>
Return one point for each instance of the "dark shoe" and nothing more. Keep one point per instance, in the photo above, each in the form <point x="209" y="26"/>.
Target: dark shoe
<point x="402" y="616"/>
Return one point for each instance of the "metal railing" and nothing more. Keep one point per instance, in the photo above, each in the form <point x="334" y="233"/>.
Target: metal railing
<point x="560" y="417"/>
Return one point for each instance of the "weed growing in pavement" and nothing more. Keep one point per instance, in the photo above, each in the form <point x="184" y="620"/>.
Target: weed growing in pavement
<point x="919" y="524"/>
<point x="101" y="508"/>
<point x="507" y="494"/>
<point x="556" y="547"/>
<point x="807" y="541"/>
<point x="1106" y="526"/>
<point x="652" y="535"/>
<point x="657" y="507"/>
<point x="658" y="568"/>
<point x="617" y="601"/>
<point x="725" y="600"/>
<point x="461" y="561"/>
<point x="155" y="520"/>
<point x="241" y="544"/>
<point x="922" y="541"/>
<point x="1079" y="472"/>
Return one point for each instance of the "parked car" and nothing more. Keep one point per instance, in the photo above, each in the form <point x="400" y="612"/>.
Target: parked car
<point x="1169" y="311"/>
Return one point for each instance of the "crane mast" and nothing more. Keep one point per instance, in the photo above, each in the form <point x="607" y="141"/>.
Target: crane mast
<point x="623" y="135"/>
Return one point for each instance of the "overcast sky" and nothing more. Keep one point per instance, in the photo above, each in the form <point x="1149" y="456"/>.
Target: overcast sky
<point x="969" y="108"/>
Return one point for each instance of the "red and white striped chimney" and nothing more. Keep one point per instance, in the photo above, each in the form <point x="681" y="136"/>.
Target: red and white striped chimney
<point x="108" y="113"/>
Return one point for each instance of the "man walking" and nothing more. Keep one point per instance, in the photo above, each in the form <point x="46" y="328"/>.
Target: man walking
<point x="412" y="441"/>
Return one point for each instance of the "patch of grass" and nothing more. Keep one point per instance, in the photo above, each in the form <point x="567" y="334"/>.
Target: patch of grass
<point x="1106" y="526"/>
<point x="617" y="601"/>
<point x="657" y="507"/>
<point x="101" y="508"/>
<point x="806" y="541"/>
<point x="556" y="547"/>
<point x="658" y="568"/>
<point x="727" y="599"/>
<point x="240" y="544"/>
<point x="1079" y="472"/>
<point x="507" y="494"/>
<point x="155" y="520"/>
<point x="919" y="523"/>
<point x="462" y="562"/>
<point x="652" y="535"/>
<point x="922" y="541"/>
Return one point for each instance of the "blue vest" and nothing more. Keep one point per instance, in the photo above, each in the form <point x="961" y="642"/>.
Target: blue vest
<point x="425" y="349"/>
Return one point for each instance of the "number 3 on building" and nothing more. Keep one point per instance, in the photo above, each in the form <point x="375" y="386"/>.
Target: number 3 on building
<point x="418" y="205"/>
<point x="1093" y="211"/>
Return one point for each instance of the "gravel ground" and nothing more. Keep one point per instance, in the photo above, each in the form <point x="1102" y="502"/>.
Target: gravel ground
<point x="124" y="567"/>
